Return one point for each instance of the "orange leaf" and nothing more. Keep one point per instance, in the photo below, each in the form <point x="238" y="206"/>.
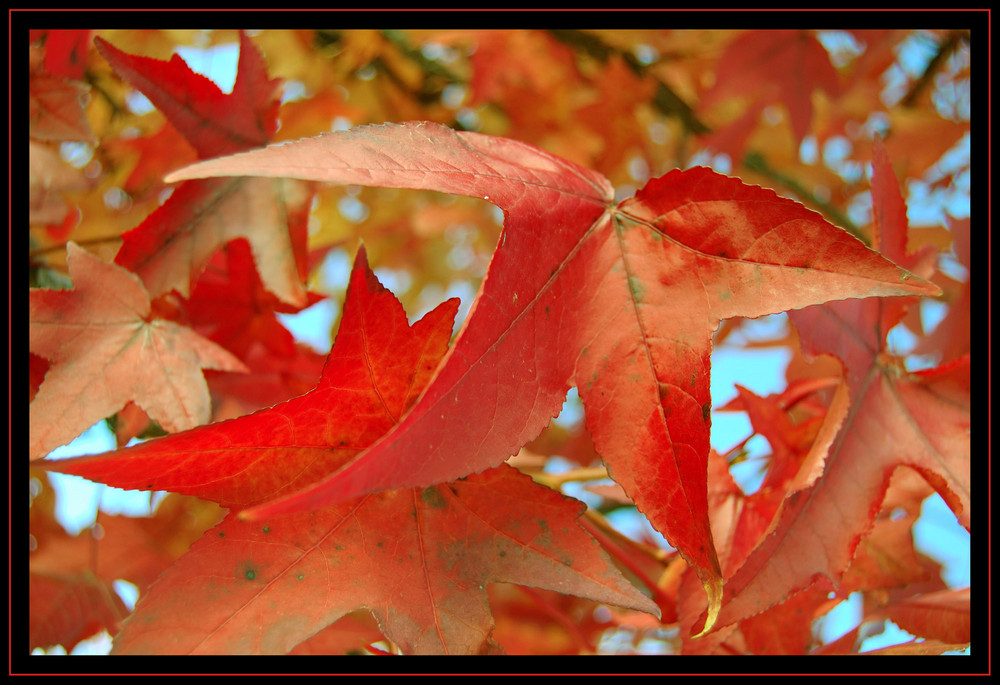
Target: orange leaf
<point x="419" y="559"/>
<point x="945" y="615"/>
<point x="172" y="246"/>
<point x="105" y="351"/>
<point x="920" y="420"/>
<point x="620" y="301"/>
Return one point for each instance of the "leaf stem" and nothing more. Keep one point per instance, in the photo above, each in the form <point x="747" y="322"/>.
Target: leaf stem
<point x="557" y="480"/>
<point x="945" y="49"/>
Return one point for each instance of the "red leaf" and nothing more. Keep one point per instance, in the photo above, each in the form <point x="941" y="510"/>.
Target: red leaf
<point x="920" y="420"/>
<point x="66" y="52"/>
<point x="796" y="462"/>
<point x="172" y="246"/>
<point x="786" y="65"/>
<point x="105" y="351"/>
<point x="944" y="615"/>
<point x="66" y="608"/>
<point x="230" y="306"/>
<point x="215" y="123"/>
<point x="372" y="374"/>
<point x="419" y="559"/>
<point x="620" y="301"/>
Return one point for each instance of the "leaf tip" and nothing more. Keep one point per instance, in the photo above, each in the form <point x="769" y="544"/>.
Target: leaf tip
<point x="924" y="286"/>
<point x="713" y="588"/>
<point x="180" y="174"/>
<point x="362" y="255"/>
<point x="248" y="515"/>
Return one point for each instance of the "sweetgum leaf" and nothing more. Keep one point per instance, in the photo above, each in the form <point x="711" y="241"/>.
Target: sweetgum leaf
<point x="620" y="301"/>
<point x="106" y="350"/>
<point x="897" y="418"/>
<point x="171" y="247"/>
<point x="373" y="372"/>
<point x="419" y="559"/>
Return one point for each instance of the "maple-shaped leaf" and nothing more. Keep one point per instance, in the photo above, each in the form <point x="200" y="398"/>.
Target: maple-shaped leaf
<point x="419" y="559"/>
<point x="245" y="461"/>
<point x="171" y="247"/>
<point x="214" y="122"/>
<point x="620" y="301"/>
<point x="896" y="418"/>
<point x="105" y="350"/>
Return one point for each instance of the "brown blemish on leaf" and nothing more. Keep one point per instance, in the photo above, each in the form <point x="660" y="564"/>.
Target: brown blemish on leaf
<point x="432" y="498"/>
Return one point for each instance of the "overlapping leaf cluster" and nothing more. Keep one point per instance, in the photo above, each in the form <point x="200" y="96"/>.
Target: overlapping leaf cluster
<point x="371" y="482"/>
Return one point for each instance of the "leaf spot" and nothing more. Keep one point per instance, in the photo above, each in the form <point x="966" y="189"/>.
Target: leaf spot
<point x="432" y="498"/>
<point x="248" y="570"/>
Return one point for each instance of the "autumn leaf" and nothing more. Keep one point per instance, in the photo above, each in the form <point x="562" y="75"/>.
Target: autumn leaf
<point x="620" y="301"/>
<point x="213" y="122"/>
<point x="796" y="461"/>
<point x="419" y="559"/>
<point x="897" y="418"/>
<point x="72" y="592"/>
<point x="105" y="351"/>
<point x="230" y="306"/>
<point x="944" y="615"/>
<point x="223" y="258"/>
<point x="290" y="444"/>
<point x="173" y="245"/>
<point x="66" y="52"/>
<point x="786" y="66"/>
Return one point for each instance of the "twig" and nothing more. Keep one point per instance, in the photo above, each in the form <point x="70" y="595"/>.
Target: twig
<point x="944" y="51"/>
